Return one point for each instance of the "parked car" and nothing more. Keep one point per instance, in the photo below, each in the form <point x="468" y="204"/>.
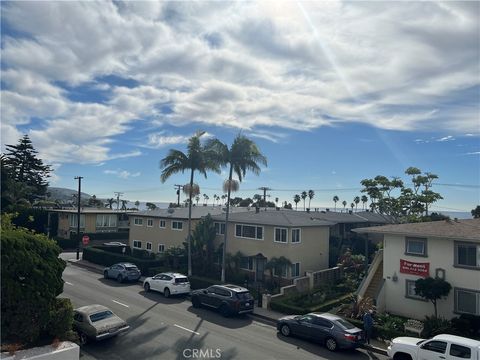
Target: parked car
<point x="122" y="271"/>
<point x="449" y="347"/>
<point x="115" y="243"/>
<point x="97" y="322"/>
<point x="228" y="299"/>
<point x="168" y="284"/>
<point x="330" y="330"/>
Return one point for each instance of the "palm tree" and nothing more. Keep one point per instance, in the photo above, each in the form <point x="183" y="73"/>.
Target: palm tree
<point x="205" y="199"/>
<point x="197" y="198"/>
<point x="111" y="201"/>
<point x="352" y="205"/>
<point x="335" y="199"/>
<point x="214" y="199"/>
<point x="198" y="158"/>
<point x="311" y="194"/>
<point x="304" y="196"/>
<point x="296" y="200"/>
<point x="364" y="201"/>
<point x="242" y="155"/>
<point x="344" y="203"/>
<point x="276" y="201"/>
<point x="356" y="200"/>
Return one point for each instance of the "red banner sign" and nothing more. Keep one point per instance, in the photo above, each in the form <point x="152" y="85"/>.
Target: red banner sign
<point x="414" y="268"/>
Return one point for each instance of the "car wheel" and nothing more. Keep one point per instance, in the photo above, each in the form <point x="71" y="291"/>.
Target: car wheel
<point x="146" y="287"/>
<point x="82" y="337"/>
<point x="285" y="330"/>
<point x="195" y="302"/>
<point x="224" y="310"/>
<point x="120" y="278"/>
<point x="166" y="292"/>
<point x="331" y="344"/>
<point x="105" y="274"/>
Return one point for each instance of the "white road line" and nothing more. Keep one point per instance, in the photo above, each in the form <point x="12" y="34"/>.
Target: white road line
<point x="181" y="327"/>
<point x="66" y="282"/>
<point x="119" y="303"/>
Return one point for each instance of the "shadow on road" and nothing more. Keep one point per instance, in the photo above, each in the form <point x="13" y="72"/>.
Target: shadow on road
<point x="114" y="283"/>
<point x="212" y="316"/>
<point x="159" y="298"/>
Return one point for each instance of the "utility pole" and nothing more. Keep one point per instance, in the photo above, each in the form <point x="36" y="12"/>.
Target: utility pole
<point x="179" y="187"/>
<point x="265" y="189"/>
<point x="79" y="178"/>
<point x="118" y="198"/>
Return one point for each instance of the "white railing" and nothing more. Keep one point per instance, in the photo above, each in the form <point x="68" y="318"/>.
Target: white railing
<point x="377" y="261"/>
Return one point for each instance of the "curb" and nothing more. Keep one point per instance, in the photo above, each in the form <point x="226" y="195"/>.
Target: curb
<point x="375" y="349"/>
<point x="264" y="319"/>
<point x="85" y="266"/>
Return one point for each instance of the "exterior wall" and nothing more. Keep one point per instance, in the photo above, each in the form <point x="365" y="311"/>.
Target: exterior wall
<point x="156" y="235"/>
<point x="311" y="252"/>
<point x="440" y="255"/>
<point x="90" y="224"/>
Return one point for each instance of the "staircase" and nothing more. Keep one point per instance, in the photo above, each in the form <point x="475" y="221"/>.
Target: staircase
<point x="375" y="283"/>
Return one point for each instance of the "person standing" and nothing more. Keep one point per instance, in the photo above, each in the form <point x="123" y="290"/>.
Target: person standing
<point x="368" y="325"/>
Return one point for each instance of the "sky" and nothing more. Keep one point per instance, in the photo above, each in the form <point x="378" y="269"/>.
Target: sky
<point x="331" y="92"/>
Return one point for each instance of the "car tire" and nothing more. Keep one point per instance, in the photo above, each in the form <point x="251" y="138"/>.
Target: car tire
<point x="331" y="344"/>
<point x="82" y="338"/>
<point x="285" y="330"/>
<point x="166" y="292"/>
<point x="120" y="278"/>
<point x="105" y="274"/>
<point x="224" y="310"/>
<point x="146" y="287"/>
<point x="196" y="302"/>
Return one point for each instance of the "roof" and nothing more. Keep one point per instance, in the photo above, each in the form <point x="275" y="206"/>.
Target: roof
<point x="182" y="212"/>
<point x="327" y="316"/>
<point x="87" y="210"/>
<point x="458" y="340"/>
<point x="468" y="229"/>
<point x="90" y="309"/>
<point x="235" y="288"/>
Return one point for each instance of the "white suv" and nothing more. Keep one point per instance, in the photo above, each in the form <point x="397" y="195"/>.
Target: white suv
<point x="168" y="284"/>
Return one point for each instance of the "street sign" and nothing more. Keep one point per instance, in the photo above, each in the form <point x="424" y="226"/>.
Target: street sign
<point x="85" y="239"/>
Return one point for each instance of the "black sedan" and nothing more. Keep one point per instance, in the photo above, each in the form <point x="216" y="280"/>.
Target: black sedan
<point x="330" y="330"/>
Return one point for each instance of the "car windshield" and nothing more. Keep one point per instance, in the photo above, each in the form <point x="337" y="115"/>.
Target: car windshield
<point x="181" y="280"/>
<point x="244" y="295"/>
<point x="345" y="324"/>
<point x="101" y="315"/>
<point x="130" y="267"/>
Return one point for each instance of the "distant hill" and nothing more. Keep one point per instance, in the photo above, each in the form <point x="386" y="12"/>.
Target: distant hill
<point x="63" y="194"/>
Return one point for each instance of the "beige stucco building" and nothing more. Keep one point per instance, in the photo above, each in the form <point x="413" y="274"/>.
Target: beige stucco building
<point x="448" y="249"/>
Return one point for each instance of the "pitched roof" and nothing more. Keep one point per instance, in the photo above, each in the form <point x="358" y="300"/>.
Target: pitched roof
<point x="468" y="229"/>
<point x="182" y="212"/>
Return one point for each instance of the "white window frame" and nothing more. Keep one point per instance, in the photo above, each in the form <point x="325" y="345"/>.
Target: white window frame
<point x="250" y="263"/>
<point x="219" y="228"/>
<point x="135" y="244"/>
<point x="417" y="239"/>
<point x="177" y="222"/>
<point x="299" y="236"/>
<point x="150" y="221"/>
<point x="162" y="221"/>
<point x="72" y="219"/>
<point x="295" y="273"/>
<point x="455" y="301"/>
<point x="146" y="248"/>
<point x="281" y="229"/>
<point x="256" y="232"/>
<point x="106" y="221"/>
<point x="161" y="246"/>
<point x="285" y="272"/>
<point x="458" y="244"/>
<point x="138" y="221"/>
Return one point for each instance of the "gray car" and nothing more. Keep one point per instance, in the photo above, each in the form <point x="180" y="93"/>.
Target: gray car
<point x="122" y="272"/>
<point x="330" y="330"/>
<point x="97" y="322"/>
<point x="228" y="299"/>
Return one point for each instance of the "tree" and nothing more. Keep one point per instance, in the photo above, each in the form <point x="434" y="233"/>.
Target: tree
<point x="356" y="200"/>
<point x="296" y="200"/>
<point x="124" y="204"/>
<point x="94" y="202"/>
<point x="198" y="158"/>
<point x="110" y="203"/>
<point x="245" y="202"/>
<point x="205" y="199"/>
<point x="335" y="199"/>
<point x="476" y="212"/>
<point x="364" y="199"/>
<point x="311" y="194"/>
<point x="432" y="290"/>
<point x="243" y="155"/>
<point x="31" y="281"/>
<point x="344" y="203"/>
<point x="203" y="237"/>
<point x="304" y="196"/>
<point x="276" y="201"/>
<point x="150" y="206"/>
<point x="137" y="204"/>
<point x="197" y="198"/>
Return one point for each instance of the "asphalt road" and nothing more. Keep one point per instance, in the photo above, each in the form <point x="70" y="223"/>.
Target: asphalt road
<point x="172" y="329"/>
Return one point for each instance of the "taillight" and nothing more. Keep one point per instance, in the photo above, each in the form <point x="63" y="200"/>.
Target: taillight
<point x="350" y="337"/>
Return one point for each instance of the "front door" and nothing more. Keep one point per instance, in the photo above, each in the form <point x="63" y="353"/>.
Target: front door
<point x="260" y="269"/>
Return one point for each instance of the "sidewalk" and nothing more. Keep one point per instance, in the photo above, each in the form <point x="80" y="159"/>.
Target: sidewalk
<point x="261" y="314"/>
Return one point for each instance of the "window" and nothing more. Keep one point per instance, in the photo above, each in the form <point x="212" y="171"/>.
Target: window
<point x="161" y="248"/>
<point x="295" y="269"/>
<point x="295" y="236"/>
<point x="415" y="246"/>
<point x="106" y="220"/>
<point x="149" y="246"/>
<point x="467" y="254"/>
<point x="322" y="322"/>
<point x="459" y="351"/>
<point x="219" y="228"/>
<point x="467" y="301"/>
<point x="137" y="244"/>
<point x="280" y="235"/>
<point x="410" y="291"/>
<point x="149" y="222"/>
<point x="161" y="224"/>
<point x="138" y="221"/>
<point x="249" y="232"/>
<point x="246" y="263"/>
<point x="73" y="220"/>
<point x="177" y="225"/>
<point x="435" y="346"/>
<point x="283" y="272"/>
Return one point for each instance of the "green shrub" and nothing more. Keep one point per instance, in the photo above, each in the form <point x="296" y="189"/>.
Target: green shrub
<point x="198" y="282"/>
<point x="61" y="319"/>
<point x="328" y="305"/>
<point x="288" y="309"/>
<point x="66" y="243"/>
<point x="142" y="254"/>
<point x="467" y="324"/>
<point x="436" y="325"/>
<point x="114" y="236"/>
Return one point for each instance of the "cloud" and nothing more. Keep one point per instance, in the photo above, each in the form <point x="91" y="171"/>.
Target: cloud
<point x="122" y="174"/>
<point x="446" y="138"/>
<point x="473" y="153"/>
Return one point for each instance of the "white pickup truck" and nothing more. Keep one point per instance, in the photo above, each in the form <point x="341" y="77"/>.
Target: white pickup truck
<point x="440" y="347"/>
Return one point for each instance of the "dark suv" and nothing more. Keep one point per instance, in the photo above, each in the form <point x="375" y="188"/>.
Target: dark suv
<point x="228" y="299"/>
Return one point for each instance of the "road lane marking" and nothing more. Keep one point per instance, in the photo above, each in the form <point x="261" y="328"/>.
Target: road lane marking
<point x="181" y="327"/>
<point x="119" y="303"/>
<point x="66" y="282"/>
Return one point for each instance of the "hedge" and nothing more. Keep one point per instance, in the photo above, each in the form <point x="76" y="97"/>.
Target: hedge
<point x="199" y="282"/>
<point x="101" y="257"/>
<point x="283" y="307"/>
<point x="67" y="243"/>
<point x="118" y="235"/>
<point x="280" y="306"/>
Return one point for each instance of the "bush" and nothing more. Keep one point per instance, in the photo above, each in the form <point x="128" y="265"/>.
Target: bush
<point x="198" y="282"/>
<point x="61" y="318"/>
<point x="66" y="243"/>
<point x="117" y="236"/>
<point x="436" y="325"/>
<point x="288" y="309"/>
<point x="467" y="324"/>
<point x="328" y="305"/>
<point x="142" y="254"/>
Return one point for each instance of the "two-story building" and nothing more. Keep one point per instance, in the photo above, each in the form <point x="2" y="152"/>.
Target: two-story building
<point x="447" y="249"/>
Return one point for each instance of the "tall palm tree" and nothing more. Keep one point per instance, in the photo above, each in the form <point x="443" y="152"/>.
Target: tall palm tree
<point x="205" y="199"/>
<point x="356" y="200"/>
<point x="242" y="155"/>
<point x="364" y="201"/>
<point x="276" y="201"/>
<point x="304" y="196"/>
<point x="344" y="203"/>
<point x="352" y="205"/>
<point x="335" y="199"/>
<point x="197" y="198"/>
<point x="296" y="200"/>
<point x="198" y="158"/>
<point x="311" y="194"/>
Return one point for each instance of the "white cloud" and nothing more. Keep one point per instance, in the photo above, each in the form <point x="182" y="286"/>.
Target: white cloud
<point x="446" y="138"/>
<point x="122" y="174"/>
